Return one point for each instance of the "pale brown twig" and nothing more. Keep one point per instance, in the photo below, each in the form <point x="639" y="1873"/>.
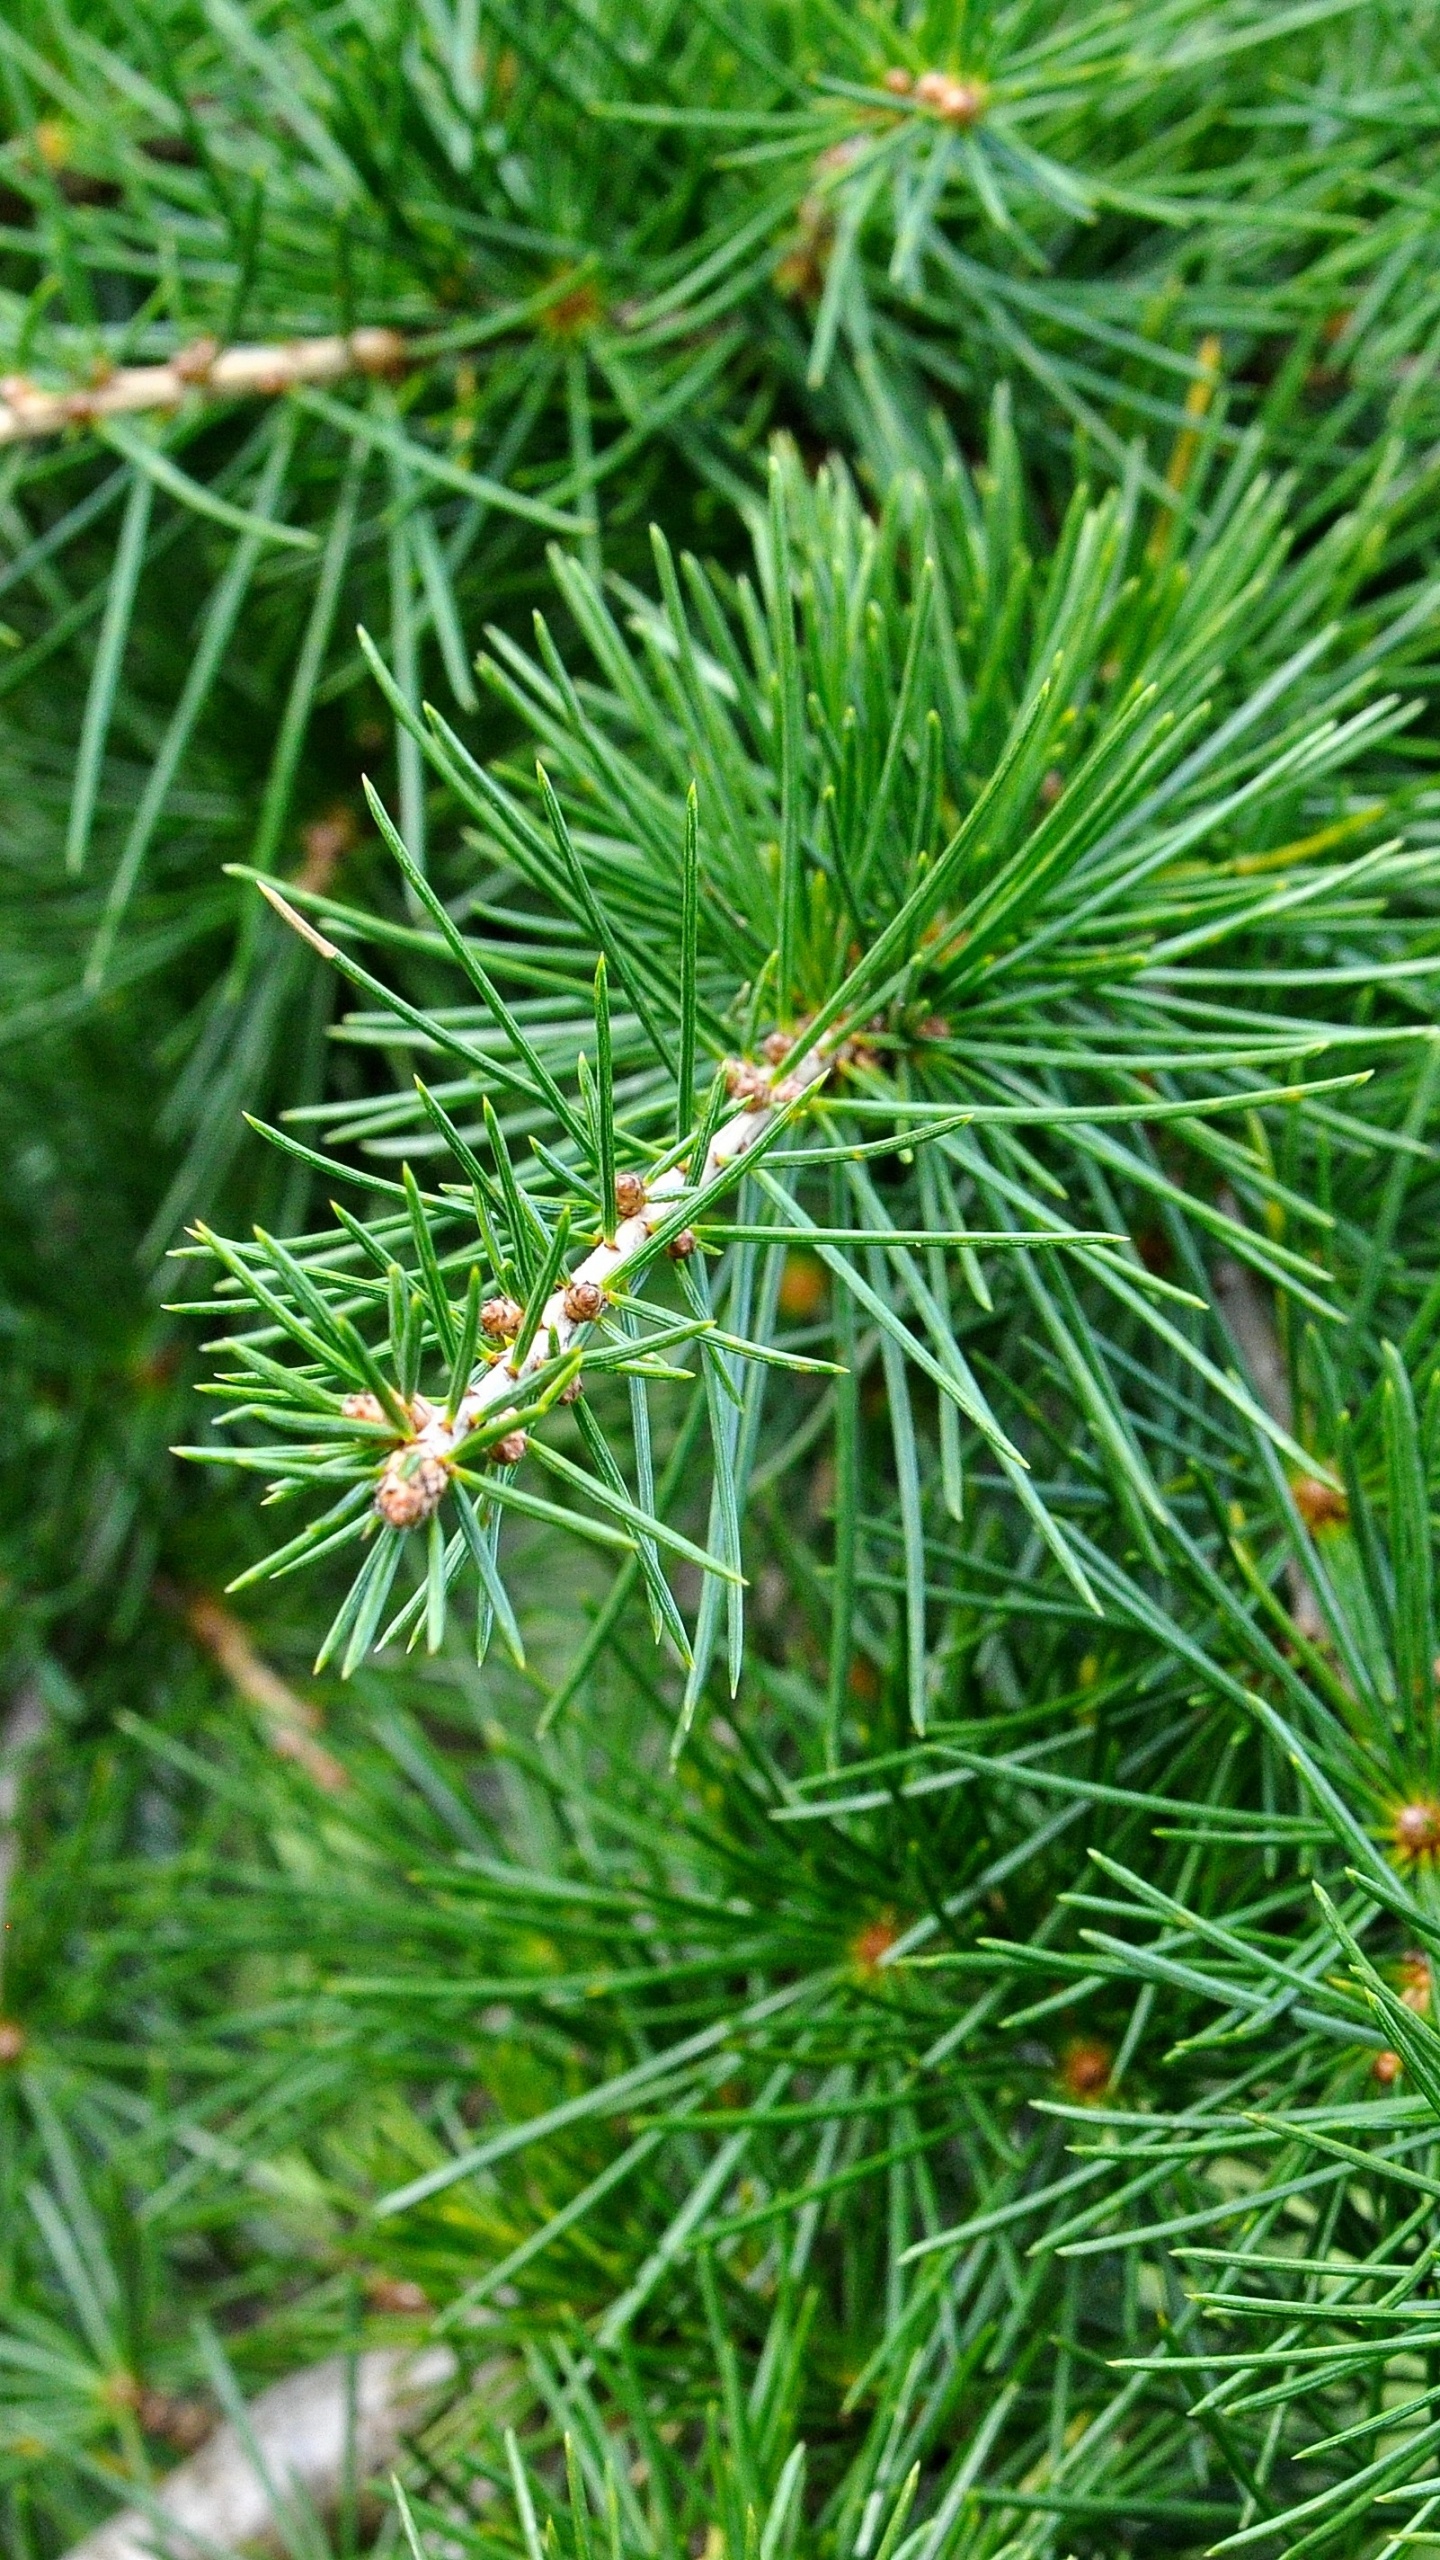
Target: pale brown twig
<point x="290" y="1722"/>
<point x="415" y="1476"/>
<point x="204" y="370"/>
<point x="25" y="1723"/>
<point x="1251" y="1323"/>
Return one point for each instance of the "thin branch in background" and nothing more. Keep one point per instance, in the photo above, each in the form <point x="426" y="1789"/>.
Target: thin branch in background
<point x="26" y="1723"/>
<point x="289" y="1722"/>
<point x="202" y="371"/>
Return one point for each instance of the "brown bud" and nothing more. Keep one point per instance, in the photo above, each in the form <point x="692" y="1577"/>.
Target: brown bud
<point x="1415" y="1828"/>
<point x="957" y="102"/>
<point x="1085" y="2068"/>
<point x="682" y="1246"/>
<point x="326" y="842"/>
<point x="411" y="1491"/>
<point x="1051" y="786"/>
<point x="363" y="1408"/>
<point x="584" y="1300"/>
<point x="509" y="1451"/>
<point x="1387" y="2066"/>
<point x="396" y="2293"/>
<point x="12" y="2040"/>
<point x="775" y="1046"/>
<point x="183" y="2424"/>
<point x="572" y="1393"/>
<point x="378" y="350"/>
<point x="501" y="1318"/>
<point x="746" y="1084"/>
<point x="1415" y="1981"/>
<point x="871" y="1945"/>
<point x="841" y="155"/>
<point x="1320" y="1505"/>
<point x="802" y="1286"/>
<point x="193" y="363"/>
<point x="788" y="1090"/>
<point x="898" y="81"/>
<point x="629" y="1194"/>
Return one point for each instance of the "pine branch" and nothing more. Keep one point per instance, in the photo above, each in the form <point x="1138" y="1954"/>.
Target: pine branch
<point x="202" y="372"/>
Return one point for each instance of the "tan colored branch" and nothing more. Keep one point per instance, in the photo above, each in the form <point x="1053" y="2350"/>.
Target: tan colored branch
<point x="206" y="370"/>
<point x="415" y="1476"/>
<point x="1252" y="1329"/>
<point x="25" y="1723"/>
<point x="290" y="1722"/>
<point x="1246" y="1310"/>
<point x="307" y="2434"/>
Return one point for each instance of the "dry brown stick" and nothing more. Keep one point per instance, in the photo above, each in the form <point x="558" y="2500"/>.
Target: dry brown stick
<point x="25" y="1723"/>
<point x="290" y="1721"/>
<point x="1252" y="1330"/>
<point x="206" y="370"/>
<point x="307" y="2434"/>
<point x="1247" y="1314"/>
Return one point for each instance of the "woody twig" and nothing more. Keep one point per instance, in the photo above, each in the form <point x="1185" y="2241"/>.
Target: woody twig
<point x="289" y="1722"/>
<point x="203" y="370"/>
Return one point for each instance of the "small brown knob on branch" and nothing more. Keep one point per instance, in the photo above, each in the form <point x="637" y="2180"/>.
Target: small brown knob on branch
<point x="1415" y="1981"/>
<point x="1320" y="1505"/>
<point x="1085" y="2069"/>
<point x="501" y="1319"/>
<point x="747" y="1084"/>
<point x="194" y="363"/>
<point x="629" y="1194"/>
<point x="411" y="1492"/>
<point x="378" y="350"/>
<point x="871" y="1944"/>
<point x="397" y="2293"/>
<point x="682" y="1246"/>
<point x="957" y="102"/>
<point x="509" y="1451"/>
<point x="584" y="1301"/>
<point x="12" y="2040"/>
<point x="363" y="1408"/>
<point x="183" y="2424"/>
<point x="1415" y="1828"/>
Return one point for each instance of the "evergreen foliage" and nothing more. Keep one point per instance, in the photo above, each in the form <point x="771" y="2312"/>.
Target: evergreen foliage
<point x="780" y="746"/>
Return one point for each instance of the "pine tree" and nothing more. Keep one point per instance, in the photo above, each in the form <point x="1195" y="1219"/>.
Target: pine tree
<point x="757" y="681"/>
